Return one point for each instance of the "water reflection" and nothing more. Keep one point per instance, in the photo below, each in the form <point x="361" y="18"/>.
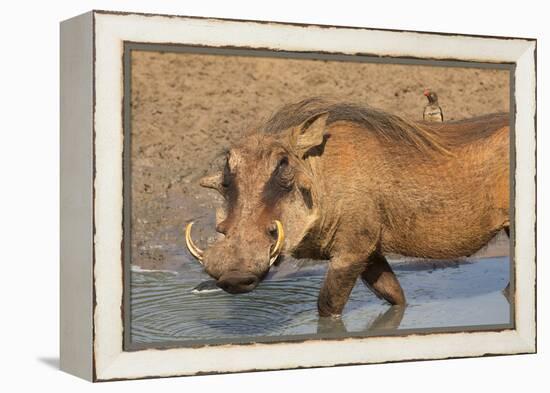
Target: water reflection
<point x="386" y="321"/>
<point x="187" y="306"/>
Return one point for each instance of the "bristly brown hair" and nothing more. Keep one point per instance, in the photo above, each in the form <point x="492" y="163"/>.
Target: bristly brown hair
<point x="423" y="137"/>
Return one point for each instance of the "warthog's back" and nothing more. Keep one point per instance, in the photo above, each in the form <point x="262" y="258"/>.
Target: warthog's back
<point x="471" y="131"/>
<point x="442" y="199"/>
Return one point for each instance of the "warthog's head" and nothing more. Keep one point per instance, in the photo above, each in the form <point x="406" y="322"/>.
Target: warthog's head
<point x="267" y="183"/>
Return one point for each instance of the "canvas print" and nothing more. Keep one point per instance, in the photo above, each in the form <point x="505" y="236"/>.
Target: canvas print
<point x="277" y="196"/>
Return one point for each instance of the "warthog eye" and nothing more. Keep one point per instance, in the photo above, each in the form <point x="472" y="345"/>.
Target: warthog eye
<point x="227" y="176"/>
<point x="283" y="164"/>
<point x="229" y="190"/>
<point x="283" y="174"/>
<point x="280" y="182"/>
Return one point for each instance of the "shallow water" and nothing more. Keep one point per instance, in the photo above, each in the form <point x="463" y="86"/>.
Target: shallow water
<point x="164" y="307"/>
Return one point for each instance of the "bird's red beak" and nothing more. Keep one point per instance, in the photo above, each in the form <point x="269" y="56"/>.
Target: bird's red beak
<point x="426" y="92"/>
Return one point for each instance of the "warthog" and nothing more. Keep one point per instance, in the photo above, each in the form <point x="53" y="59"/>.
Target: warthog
<point x="349" y="183"/>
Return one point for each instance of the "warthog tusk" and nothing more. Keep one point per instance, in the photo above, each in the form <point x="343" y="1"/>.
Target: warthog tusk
<point x="193" y="249"/>
<point x="276" y="250"/>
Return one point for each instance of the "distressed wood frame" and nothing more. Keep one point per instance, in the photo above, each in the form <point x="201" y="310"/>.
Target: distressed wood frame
<point x="92" y="163"/>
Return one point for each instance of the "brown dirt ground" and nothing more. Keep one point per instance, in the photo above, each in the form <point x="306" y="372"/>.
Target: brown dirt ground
<point x="186" y="108"/>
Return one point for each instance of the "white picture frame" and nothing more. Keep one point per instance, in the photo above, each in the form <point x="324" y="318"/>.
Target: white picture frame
<point x="92" y="162"/>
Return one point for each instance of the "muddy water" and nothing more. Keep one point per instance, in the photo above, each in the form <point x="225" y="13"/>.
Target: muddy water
<point x="166" y="307"/>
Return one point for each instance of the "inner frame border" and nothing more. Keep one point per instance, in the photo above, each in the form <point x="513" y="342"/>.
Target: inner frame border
<point x="129" y="46"/>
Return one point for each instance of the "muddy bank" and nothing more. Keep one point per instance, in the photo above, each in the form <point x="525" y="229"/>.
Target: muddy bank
<point x="186" y="108"/>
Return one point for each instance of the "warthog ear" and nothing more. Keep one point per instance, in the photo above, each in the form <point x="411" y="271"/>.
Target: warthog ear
<point x="309" y="134"/>
<point x="213" y="181"/>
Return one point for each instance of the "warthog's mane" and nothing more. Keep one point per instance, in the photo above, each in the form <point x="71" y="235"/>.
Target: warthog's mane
<point x="426" y="138"/>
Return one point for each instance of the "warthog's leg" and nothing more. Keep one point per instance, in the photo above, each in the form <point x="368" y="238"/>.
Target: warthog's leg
<point x="380" y="278"/>
<point x="341" y="276"/>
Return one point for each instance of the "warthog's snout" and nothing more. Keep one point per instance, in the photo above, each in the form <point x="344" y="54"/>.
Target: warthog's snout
<point x="237" y="282"/>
